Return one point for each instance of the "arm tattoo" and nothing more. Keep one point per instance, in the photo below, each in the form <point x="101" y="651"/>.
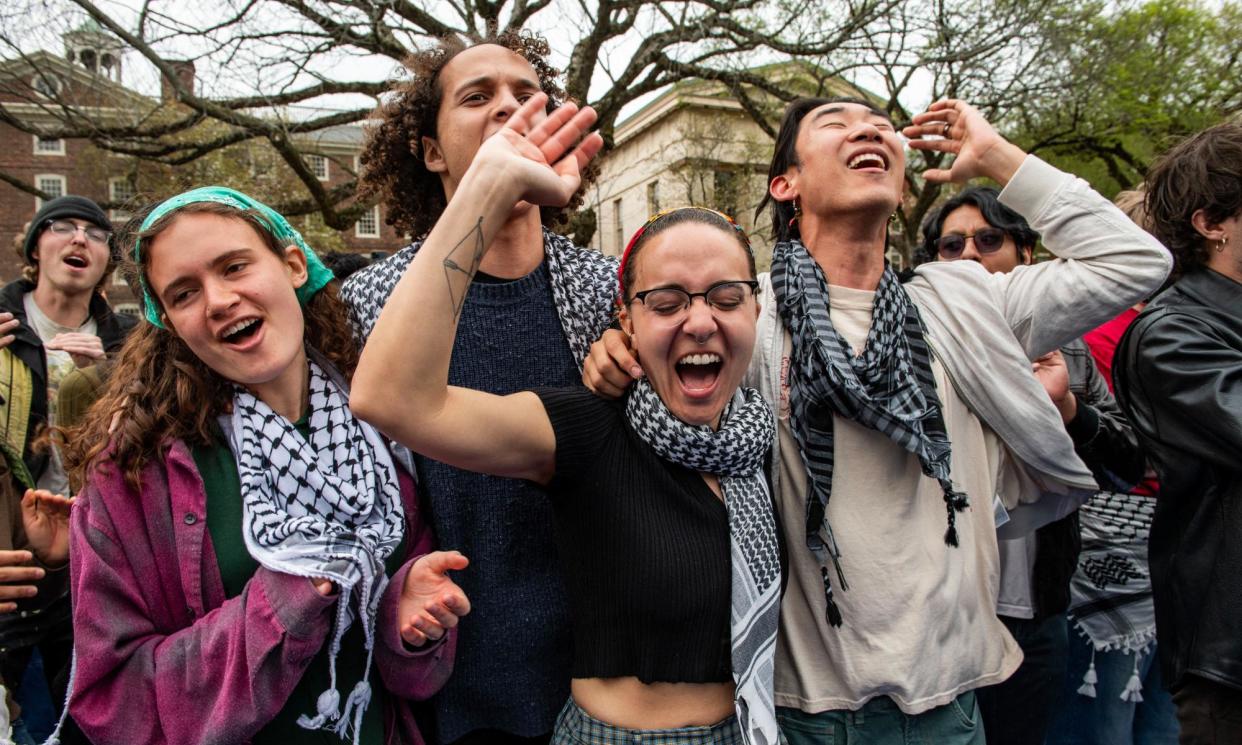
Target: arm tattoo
<point x="469" y="249"/>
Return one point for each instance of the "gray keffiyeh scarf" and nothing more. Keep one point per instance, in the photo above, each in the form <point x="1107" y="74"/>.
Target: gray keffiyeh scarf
<point x="735" y="453"/>
<point x="584" y="290"/>
<point x="888" y="388"/>
<point x="325" y="507"/>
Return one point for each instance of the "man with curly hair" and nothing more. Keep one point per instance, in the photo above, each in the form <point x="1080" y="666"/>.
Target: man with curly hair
<point x="1178" y="375"/>
<point x="528" y="319"/>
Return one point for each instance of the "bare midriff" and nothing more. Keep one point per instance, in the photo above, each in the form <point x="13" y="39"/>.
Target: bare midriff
<point x="632" y="704"/>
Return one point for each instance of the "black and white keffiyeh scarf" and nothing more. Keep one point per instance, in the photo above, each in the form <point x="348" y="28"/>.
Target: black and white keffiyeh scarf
<point x="888" y="387"/>
<point x="326" y="507"/>
<point x="584" y="290"/>
<point x="1110" y="592"/>
<point x="735" y="454"/>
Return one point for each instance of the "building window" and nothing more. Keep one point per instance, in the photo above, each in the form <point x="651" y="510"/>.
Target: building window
<point x="121" y="189"/>
<point x="618" y="228"/>
<point x="653" y="198"/>
<point x="53" y="186"/>
<point x="129" y="309"/>
<point x="48" y="146"/>
<point x="318" y="165"/>
<point x="46" y="85"/>
<point x="368" y="226"/>
<point x="118" y="278"/>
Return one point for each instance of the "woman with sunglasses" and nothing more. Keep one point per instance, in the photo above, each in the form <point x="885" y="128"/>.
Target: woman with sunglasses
<point x="663" y="518"/>
<point x="245" y="550"/>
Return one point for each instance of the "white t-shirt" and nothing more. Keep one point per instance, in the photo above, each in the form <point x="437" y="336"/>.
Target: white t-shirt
<point x="920" y="619"/>
<point x="59" y="364"/>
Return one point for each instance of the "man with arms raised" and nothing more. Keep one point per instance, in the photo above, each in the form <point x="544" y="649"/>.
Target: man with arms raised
<point x="903" y="408"/>
<point x="528" y="319"/>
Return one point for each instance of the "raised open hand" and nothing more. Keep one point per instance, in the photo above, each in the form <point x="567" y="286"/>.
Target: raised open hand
<point x="45" y="517"/>
<point x="962" y="131"/>
<point x="430" y="602"/>
<point x="544" y="158"/>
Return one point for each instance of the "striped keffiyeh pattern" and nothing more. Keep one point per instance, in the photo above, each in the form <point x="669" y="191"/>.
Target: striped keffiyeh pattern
<point x="888" y="388"/>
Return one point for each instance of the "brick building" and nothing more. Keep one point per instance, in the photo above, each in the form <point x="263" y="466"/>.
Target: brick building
<point x="45" y="92"/>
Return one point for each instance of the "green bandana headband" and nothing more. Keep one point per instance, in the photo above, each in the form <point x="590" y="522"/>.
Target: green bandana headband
<point x="317" y="275"/>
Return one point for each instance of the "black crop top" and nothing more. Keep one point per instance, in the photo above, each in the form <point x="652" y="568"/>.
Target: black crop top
<point x="645" y="548"/>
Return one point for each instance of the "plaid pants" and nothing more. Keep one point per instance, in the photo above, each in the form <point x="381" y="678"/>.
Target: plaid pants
<point x="575" y="727"/>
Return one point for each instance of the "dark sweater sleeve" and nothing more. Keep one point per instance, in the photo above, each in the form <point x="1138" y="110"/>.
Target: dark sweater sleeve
<point x="582" y="423"/>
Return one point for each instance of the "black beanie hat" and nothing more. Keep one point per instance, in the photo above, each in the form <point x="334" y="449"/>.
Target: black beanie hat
<point x="58" y="208"/>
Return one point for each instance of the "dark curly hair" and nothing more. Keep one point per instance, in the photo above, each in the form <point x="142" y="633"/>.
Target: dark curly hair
<point x="1203" y="172"/>
<point x="391" y="159"/>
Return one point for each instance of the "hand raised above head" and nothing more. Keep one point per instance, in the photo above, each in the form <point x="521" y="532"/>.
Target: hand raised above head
<point x="964" y="132"/>
<point x="542" y="160"/>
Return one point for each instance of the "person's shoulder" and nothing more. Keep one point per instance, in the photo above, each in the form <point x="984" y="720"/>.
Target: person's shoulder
<point x="366" y="291"/>
<point x="378" y="278"/>
<point x="13" y="296"/>
<point x="578" y="401"/>
<point x="568" y="251"/>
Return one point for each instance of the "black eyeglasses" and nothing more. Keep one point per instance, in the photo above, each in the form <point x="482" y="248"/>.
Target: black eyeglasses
<point x="68" y="227"/>
<point x="988" y="240"/>
<point x="672" y="302"/>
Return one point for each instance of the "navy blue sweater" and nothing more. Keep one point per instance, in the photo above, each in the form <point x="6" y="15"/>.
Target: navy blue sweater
<point x="514" y="649"/>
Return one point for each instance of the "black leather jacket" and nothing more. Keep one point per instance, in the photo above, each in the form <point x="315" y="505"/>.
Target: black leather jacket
<point x="1178" y="375"/>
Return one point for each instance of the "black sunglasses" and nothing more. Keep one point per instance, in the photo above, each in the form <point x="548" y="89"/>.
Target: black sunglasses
<point x="987" y="241"/>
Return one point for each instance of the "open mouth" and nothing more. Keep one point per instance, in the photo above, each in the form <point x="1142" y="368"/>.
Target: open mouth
<point x="241" y="330"/>
<point x="698" y="372"/>
<point x="75" y="261"/>
<point x="868" y="160"/>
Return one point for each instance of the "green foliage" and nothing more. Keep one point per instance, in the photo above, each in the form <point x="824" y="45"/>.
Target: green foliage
<point x="1129" y="83"/>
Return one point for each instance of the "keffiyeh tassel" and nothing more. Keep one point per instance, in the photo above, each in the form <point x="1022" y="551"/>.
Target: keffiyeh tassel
<point x="1089" y="679"/>
<point x="327" y="506"/>
<point x="1134" y="687"/>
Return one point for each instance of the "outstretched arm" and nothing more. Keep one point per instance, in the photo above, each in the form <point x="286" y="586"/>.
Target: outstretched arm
<point x="401" y="384"/>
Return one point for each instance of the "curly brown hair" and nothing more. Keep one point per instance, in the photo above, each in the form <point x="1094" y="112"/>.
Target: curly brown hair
<point x="1203" y="172"/>
<point x="159" y="391"/>
<point x="391" y="159"/>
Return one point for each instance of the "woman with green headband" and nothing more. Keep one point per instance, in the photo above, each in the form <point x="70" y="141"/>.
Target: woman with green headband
<point x="239" y="527"/>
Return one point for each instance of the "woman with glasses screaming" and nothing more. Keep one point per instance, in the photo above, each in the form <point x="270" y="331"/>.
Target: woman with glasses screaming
<point x="662" y="514"/>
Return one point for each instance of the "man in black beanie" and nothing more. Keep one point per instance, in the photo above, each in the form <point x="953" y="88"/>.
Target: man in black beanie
<point x="52" y="321"/>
